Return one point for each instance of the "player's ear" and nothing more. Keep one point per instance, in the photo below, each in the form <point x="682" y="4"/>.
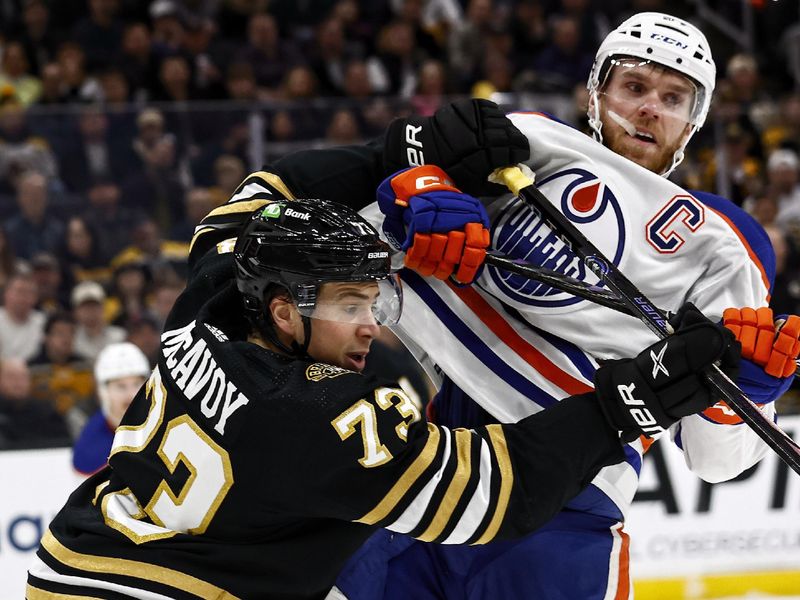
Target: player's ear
<point x="284" y="315"/>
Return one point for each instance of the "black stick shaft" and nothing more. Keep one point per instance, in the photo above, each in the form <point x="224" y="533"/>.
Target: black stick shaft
<point x="638" y="304"/>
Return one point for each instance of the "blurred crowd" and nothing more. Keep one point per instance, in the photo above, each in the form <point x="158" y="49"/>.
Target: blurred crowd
<point x="123" y="122"/>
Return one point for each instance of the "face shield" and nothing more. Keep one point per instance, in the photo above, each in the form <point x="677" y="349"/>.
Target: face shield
<point x="633" y="88"/>
<point x="355" y="302"/>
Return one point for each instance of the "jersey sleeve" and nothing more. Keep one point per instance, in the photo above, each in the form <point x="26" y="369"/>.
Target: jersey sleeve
<point x="371" y="459"/>
<point x="716" y="445"/>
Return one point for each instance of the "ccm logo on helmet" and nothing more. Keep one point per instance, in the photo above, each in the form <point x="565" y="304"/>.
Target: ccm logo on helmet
<point x="668" y="40"/>
<point x="297" y="215"/>
<point x="378" y="255"/>
<point x="643" y="417"/>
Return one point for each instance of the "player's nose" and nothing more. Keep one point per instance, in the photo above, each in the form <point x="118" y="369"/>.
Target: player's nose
<point x="651" y="104"/>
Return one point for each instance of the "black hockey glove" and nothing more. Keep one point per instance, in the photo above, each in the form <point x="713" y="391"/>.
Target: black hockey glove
<point x="647" y="394"/>
<point x="468" y="139"/>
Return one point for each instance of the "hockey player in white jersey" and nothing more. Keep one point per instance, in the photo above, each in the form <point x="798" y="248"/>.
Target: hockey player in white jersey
<point x="517" y="340"/>
<point x="650" y="90"/>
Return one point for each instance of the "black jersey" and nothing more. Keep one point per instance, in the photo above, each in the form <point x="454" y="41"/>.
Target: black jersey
<point x="241" y="473"/>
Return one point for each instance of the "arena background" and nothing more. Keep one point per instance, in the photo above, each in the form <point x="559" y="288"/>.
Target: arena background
<point x="123" y="122"/>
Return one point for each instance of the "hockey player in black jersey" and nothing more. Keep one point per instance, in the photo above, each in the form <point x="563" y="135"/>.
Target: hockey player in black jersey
<point x="257" y="458"/>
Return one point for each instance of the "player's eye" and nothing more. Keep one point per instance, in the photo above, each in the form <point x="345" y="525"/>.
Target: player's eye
<point x="635" y="87"/>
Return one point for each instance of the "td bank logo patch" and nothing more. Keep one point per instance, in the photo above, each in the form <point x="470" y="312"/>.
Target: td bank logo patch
<point x="272" y="211"/>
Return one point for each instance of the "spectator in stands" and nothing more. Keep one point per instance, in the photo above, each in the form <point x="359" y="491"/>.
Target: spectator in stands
<point x="431" y="89"/>
<point x="175" y="79"/>
<point x="168" y="27"/>
<point x="21" y="325"/>
<point x="130" y="287"/>
<point x="592" y="23"/>
<point x="25" y="422"/>
<point x="268" y="55"/>
<point x="93" y="333"/>
<point x="733" y="173"/>
<point x="120" y="370"/>
<point x="8" y="260"/>
<point x="151" y="251"/>
<point x="15" y="72"/>
<point x="145" y="334"/>
<point x="785" y="129"/>
<point x="763" y="209"/>
<point x="198" y="203"/>
<point x="47" y="273"/>
<point x="240" y="83"/>
<point x="357" y="82"/>
<point x="234" y="140"/>
<point x="81" y="87"/>
<point x="33" y="229"/>
<point x="138" y="62"/>
<point x="20" y="148"/>
<point x="329" y="56"/>
<point x="529" y="30"/>
<point x="466" y="44"/>
<point x="229" y="171"/>
<point x="99" y="33"/>
<point x="299" y="89"/>
<point x="96" y="152"/>
<point x="163" y="299"/>
<point x="343" y="128"/>
<point x="436" y="16"/>
<point x="54" y="89"/>
<point x="396" y="61"/>
<point x="39" y="36"/>
<point x="59" y="376"/>
<point x="563" y="63"/>
<point x="748" y="90"/>
<point x="105" y="216"/>
<point x="156" y="189"/>
<point x="783" y="180"/>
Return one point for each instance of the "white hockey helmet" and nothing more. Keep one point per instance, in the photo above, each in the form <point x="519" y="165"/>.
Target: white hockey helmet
<point x="668" y="41"/>
<point x="116" y="361"/>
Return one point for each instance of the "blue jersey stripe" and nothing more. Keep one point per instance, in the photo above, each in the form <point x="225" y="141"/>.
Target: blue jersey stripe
<point x="473" y="343"/>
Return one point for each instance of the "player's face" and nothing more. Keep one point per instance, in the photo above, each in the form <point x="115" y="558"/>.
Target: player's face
<point x="121" y="392"/>
<point x="343" y="326"/>
<point x="646" y="110"/>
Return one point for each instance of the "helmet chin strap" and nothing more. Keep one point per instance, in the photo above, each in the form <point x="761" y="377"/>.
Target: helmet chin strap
<point x="295" y="350"/>
<point x="629" y="127"/>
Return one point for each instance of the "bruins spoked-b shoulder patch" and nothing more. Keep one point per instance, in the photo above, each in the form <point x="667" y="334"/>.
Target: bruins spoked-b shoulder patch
<point x="319" y="371"/>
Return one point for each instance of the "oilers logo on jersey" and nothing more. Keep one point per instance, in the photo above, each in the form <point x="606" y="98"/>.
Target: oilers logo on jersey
<point x="520" y="233"/>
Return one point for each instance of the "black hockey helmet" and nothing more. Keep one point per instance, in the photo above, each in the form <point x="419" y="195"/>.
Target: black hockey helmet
<point x="301" y="244"/>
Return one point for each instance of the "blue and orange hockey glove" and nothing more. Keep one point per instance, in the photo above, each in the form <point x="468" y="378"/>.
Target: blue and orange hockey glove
<point x="443" y="231"/>
<point x="769" y="349"/>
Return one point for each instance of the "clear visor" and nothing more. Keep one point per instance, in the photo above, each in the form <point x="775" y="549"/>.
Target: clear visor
<point x="358" y="302"/>
<point x="634" y="87"/>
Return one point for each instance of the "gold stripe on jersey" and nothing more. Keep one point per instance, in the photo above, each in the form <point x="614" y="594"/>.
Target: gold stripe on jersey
<point x="132" y="568"/>
<point x="272" y="180"/>
<point x="245" y="207"/>
<point x="34" y="593"/>
<point x="500" y="447"/>
<point x="463" y="442"/>
<point x="401" y="487"/>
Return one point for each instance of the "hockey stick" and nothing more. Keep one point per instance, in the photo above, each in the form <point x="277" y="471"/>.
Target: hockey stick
<point x="637" y="304"/>
<point x="557" y="280"/>
<point x="565" y="283"/>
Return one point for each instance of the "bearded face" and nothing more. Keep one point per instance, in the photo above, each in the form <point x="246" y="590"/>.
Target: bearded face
<point x="646" y="112"/>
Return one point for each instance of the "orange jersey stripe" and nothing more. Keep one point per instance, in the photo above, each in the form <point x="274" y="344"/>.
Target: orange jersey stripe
<point x="753" y="256"/>
<point x="624" y="578"/>
<point x="502" y="329"/>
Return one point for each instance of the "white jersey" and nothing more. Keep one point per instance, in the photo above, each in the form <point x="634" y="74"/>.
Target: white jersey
<point x="516" y="346"/>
